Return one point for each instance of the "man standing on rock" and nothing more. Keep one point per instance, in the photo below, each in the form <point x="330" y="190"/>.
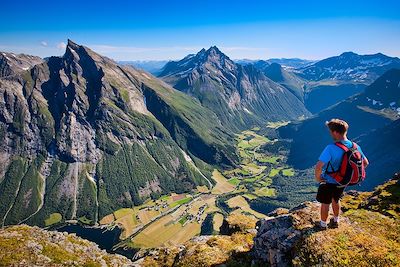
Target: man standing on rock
<point x="334" y="160"/>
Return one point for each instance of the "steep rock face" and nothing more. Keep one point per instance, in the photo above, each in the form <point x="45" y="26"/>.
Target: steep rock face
<point x="11" y="63"/>
<point x="239" y="95"/>
<point x="78" y="138"/>
<point x="369" y="219"/>
<point x="31" y="246"/>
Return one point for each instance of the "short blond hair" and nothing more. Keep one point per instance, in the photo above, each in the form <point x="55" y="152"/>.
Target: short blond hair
<point x="337" y="125"/>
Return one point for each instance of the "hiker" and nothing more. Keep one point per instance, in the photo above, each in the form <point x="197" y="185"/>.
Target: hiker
<point x="344" y="164"/>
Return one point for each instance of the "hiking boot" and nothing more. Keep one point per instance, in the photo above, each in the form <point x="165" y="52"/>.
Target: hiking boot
<point x="319" y="227"/>
<point x="333" y="224"/>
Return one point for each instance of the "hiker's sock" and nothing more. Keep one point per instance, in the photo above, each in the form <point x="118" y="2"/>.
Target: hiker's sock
<point x="323" y="224"/>
<point x="336" y="219"/>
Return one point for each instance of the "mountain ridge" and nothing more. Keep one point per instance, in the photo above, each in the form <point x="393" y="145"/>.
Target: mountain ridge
<point x="232" y="90"/>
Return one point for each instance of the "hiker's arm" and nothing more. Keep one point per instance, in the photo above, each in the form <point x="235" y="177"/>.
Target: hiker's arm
<point x="318" y="171"/>
<point x="366" y="162"/>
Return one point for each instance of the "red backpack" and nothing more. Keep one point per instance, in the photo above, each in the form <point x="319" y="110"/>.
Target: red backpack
<point x="352" y="169"/>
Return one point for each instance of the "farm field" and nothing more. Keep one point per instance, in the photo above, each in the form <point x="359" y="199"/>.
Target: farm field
<point x="241" y="203"/>
<point x="222" y="184"/>
<point x="217" y="221"/>
<point x="176" y="227"/>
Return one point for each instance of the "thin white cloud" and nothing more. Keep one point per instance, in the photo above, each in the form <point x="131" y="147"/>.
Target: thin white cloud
<point x="61" y="45"/>
<point x="44" y="43"/>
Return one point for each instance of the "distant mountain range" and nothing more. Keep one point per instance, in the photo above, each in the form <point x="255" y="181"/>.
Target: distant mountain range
<point x="152" y="66"/>
<point x="285" y="62"/>
<point x="350" y="66"/>
<point x="239" y="95"/>
<point x="324" y="83"/>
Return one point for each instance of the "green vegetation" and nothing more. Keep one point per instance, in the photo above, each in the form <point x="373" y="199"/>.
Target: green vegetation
<point x="234" y="181"/>
<point x="274" y="172"/>
<point x="180" y="202"/>
<point x="265" y="192"/>
<point x="269" y="159"/>
<point x="53" y="219"/>
<point x="85" y="220"/>
<point x="288" y="172"/>
<point x="277" y="124"/>
<point x="10" y="184"/>
<point x="183" y="220"/>
<point x="28" y="198"/>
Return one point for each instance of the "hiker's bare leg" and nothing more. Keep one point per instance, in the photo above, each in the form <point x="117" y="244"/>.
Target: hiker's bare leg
<point x="335" y="207"/>
<point x="336" y="210"/>
<point x="324" y="212"/>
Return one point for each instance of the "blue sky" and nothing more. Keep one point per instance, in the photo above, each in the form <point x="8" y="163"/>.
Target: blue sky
<point x="151" y="30"/>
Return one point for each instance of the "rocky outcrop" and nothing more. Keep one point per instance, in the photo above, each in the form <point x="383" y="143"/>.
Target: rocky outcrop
<point x="31" y="246"/>
<point x="290" y="239"/>
<point x="277" y="237"/>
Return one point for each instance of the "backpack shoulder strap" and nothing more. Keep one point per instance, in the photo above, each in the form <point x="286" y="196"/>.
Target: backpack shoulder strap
<point x="342" y="146"/>
<point x="355" y="146"/>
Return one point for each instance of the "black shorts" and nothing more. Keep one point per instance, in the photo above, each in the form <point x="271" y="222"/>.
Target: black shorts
<point x="327" y="192"/>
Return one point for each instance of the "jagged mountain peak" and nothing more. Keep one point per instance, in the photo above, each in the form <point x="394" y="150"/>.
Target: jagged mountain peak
<point x="209" y="60"/>
<point x="211" y="55"/>
<point x="76" y="52"/>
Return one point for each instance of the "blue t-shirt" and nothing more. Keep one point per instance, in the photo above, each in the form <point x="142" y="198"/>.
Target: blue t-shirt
<point x="333" y="154"/>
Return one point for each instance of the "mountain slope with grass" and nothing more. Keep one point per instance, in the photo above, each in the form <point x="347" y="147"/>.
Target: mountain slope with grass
<point x="82" y="136"/>
<point x="241" y="96"/>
